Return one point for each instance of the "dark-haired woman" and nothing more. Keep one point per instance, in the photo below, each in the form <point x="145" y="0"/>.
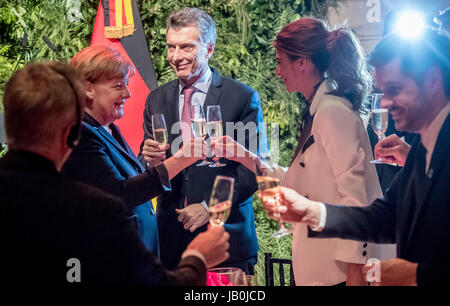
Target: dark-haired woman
<point x="332" y="160"/>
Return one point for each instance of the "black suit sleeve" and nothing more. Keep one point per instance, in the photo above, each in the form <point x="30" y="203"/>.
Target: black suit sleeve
<point x="90" y="163"/>
<point x="125" y="260"/>
<point x="433" y="273"/>
<point x="373" y="223"/>
<point x="191" y="271"/>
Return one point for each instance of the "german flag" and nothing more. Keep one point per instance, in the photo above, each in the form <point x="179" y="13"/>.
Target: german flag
<point x="119" y="20"/>
<point x="118" y="25"/>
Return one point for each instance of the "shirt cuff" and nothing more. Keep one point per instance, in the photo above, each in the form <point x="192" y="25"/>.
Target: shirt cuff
<point x="323" y="219"/>
<point x="205" y="206"/>
<point x="194" y="253"/>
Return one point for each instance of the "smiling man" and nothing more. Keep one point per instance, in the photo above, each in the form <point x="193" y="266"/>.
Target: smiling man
<point x="415" y="78"/>
<point x="182" y="214"/>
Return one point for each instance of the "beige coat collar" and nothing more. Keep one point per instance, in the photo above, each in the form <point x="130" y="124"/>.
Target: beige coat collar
<point x="323" y="89"/>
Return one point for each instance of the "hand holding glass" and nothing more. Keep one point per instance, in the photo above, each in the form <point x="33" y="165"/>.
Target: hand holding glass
<point x="159" y="129"/>
<point x="199" y="126"/>
<point x="221" y="199"/>
<point x="214" y="127"/>
<point x="269" y="185"/>
<point x="379" y="120"/>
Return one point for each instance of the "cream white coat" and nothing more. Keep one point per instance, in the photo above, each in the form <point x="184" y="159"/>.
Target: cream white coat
<point x="335" y="169"/>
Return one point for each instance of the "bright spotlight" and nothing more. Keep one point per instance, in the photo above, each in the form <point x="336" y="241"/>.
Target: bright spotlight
<point x="410" y="24"/>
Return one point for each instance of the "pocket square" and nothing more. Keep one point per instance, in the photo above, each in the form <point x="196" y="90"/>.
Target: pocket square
<point x="308" y="143"/>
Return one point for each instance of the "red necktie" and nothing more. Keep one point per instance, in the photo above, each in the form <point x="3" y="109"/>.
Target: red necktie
<point x="186" y="129"/>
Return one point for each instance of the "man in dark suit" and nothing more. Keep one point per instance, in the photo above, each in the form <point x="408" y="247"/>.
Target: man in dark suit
<point x="58" y="232"/>
<point x="415" y="78"/>
<point x="387" y="171"/>
<point x="183" y="213"/>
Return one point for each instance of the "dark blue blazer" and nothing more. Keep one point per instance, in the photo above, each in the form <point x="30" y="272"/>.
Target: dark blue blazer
<point x="238" y="103"/>
<point x="415" y="216"/>
<point x="108" y="163"/>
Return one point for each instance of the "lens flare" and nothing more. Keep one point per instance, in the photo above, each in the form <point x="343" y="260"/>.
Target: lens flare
<point x="410" y="24"/>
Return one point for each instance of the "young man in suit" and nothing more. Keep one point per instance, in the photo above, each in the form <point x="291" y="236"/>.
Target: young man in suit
<point x="182" y="214"/>
<point x="415" y="78"/>
<point x="51" y="224"/>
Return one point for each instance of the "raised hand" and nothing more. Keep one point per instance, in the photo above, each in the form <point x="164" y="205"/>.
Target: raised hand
<point x="293" y="207"/>
<point x="392" y="272"/>
<point x="194" y="149"/>
<point x="193" y="216"/>
<point x="392" y="150"/>
<point x="228" y="148"/>
<point x="213" y="244"/>
<point x="153" y="152"/>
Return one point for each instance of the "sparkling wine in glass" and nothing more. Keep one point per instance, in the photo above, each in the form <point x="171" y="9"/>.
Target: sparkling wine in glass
<point x="159" y="129"/>
<point x="199" y="126"/>
<point x="214" y="127"/>
<point x="269" y="185"/>
<point x="379" y="120"/>
<point x="221" y="199"/>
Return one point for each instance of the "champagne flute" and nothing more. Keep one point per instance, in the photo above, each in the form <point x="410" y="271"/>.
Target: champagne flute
<point x="379" y="120"/>
<point x="220" y="200"/>
<point x="270" y="187"/>
<point x="242" y="279"/>
<point x="225" y="276"/>
<point x="159" y="129"/>
<point x="199" y="126"/>
<point x="251" y="280"/>
<point x="214" y="127"/>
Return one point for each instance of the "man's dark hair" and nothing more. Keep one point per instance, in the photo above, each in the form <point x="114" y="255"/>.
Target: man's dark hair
<point x="416" y="55"/>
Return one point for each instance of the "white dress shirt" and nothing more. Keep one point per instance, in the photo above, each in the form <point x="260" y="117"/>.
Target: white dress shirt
<point x="198" y="98"/>
<point x="430" y="136"/>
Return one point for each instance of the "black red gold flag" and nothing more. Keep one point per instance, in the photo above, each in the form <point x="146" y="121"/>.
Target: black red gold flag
<point x="118" y="25"/>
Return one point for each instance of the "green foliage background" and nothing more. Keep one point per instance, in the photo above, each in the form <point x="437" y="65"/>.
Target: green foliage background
<point x="246" y="29"/>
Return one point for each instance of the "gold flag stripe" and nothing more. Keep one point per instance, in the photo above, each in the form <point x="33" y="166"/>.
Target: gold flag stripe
<point x="118" y="11"/>
<point x="129" y="12"/>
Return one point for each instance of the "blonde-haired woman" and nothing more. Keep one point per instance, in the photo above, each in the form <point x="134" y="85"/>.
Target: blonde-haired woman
<point x="103" y="157"/>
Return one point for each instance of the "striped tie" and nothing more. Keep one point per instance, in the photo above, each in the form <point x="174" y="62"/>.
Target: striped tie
<point x="186" y="129"/>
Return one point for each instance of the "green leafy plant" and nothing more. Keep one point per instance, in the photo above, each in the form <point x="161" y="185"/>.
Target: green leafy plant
<point x="2" y="150"/>
<point x="38" y="18"/>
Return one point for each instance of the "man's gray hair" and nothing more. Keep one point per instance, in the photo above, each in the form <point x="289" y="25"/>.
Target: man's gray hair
<point x="194" y="17"/>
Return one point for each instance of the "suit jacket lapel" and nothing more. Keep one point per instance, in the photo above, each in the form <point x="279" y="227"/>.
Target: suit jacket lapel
<point x="171" y="110"/>
<point x="172" y="103"/>
<point x="123" y="144"/>
<point x="441" y="151"/>
<point x="108" y="137"/>
<point x="214" y="91"/>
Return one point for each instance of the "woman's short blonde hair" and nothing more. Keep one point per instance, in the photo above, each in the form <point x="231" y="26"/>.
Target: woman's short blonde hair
<point x="101" y="63"/>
